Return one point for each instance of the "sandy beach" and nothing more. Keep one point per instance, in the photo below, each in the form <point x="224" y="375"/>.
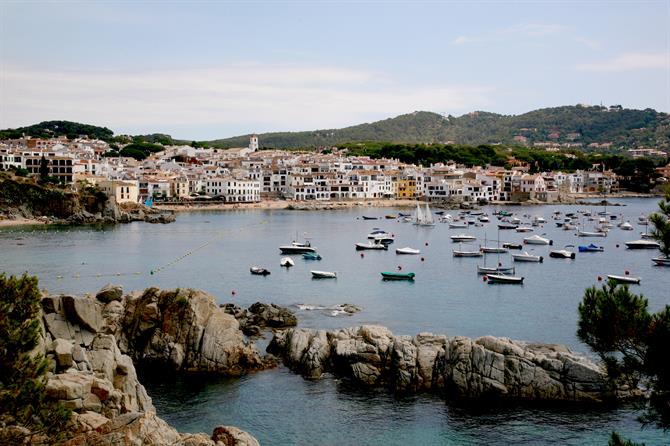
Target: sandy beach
<point x="20" y="222"/>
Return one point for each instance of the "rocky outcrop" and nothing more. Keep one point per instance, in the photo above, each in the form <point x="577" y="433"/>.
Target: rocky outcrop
<point x="457" y="367"/>
<point x="91" y="343"/>
<point x="259" y="316"/>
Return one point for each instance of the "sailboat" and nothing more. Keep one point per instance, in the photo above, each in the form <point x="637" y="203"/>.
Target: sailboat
<point x="423" y="217"/>
<point x="499" y="268"/>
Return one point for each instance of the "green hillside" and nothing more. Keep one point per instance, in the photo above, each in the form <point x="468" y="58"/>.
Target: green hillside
<point x="624" y="128"/>
<point x="50" y="129"/>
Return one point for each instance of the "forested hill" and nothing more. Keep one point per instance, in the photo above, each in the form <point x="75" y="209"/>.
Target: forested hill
<point x="50" y="129"/>
<point x="623" y="128"/>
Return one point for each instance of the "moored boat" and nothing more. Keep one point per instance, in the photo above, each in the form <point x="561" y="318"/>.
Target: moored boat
<point x="526" y="257"/>
<point x="503" y="278"/>
<point x="372" y="245"/>
<point x="311" y="256"/>
<point x="296" y="248"/>
<point x="493" y="250"/>
<point x="537" y="240"/>
<point x="495" y="269"/>
<point x="388" y="275"/>
<point x="369" y="218"/>
<point x="458" y="224"/>
<point x="562" y="254"/>
<point x="324" y="274"/>
<point x="512" y="245"/>
<point x="524" y="229"/>
<point x="257" y="270"/>
<point x="661" y="261"/>
<point x="591" y="233"/>
<point x="286" y="262"/>
<point x="591" y="248"/>
<point x="642" y="244"/>
<point x="504" y="226"/>
<point x="463" y="238"/>
<point x="407" y="250"/>
<point x="624" y="279"/>
<point x="461" y="253"/>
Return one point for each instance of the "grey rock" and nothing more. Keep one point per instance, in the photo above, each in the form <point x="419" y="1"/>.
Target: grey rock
<point x="84" y="311"/>
<point x="109" y="293"/>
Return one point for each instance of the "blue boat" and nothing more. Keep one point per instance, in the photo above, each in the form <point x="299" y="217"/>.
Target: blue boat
<point x="591" y="248"/>
<point x="311" y="256"/>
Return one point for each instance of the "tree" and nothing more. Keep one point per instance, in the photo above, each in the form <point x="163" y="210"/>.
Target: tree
<point x="661" y="222"/>
<point x="22" y="371"/>
<point x="44" y="168"/>
<point x="631" y="342"/>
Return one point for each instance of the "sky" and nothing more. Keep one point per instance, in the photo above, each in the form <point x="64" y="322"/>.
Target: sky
<point x="202" y="70"/>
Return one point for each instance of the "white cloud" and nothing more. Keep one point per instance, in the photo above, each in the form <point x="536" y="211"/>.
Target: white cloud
<point x="286" y="97"/>
<point x="630" y="61"/>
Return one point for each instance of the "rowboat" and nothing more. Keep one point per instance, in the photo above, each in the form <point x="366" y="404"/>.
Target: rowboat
<point x="397" y="276"/>
<point x="371" y="245"/>
<point x="503" y="278"/>
<point x="591" y="248"/>
<point x="537" y="240"/>
<point x="459" y="253"/>
<point x="524" y="229"/>
<point x="525" y="257"/>
<point x="286" y="262"/>
<point x="369" y="218"/>
<point x="661" y="261"/>
<point x="624" y="279"/>
<point x="323" y="274"/>
<point x="642" y="244"/>
<point x="257" y="270"/>
<point x="512" y="245"/>
<point x="590" y="234"/>
<point x="407" y="250"/>
<point x="493" y="250"/>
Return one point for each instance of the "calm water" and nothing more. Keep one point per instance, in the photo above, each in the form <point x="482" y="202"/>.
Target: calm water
<point x="213" y="251"/>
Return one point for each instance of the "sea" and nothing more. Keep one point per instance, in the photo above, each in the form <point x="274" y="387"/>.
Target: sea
<point x="213" y="251"/>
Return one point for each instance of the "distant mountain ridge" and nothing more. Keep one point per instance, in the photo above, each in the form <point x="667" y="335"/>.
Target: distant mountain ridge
<point x="622" y="128"/>
<point x="613" y="128"/>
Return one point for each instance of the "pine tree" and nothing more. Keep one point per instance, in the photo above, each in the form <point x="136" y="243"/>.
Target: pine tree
<point x="661" y="222"/>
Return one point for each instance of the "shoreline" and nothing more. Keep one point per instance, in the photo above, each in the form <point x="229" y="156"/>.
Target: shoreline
<point x="8" y="223"/>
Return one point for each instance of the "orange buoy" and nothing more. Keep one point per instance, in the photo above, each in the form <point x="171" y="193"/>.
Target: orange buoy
<point x="485" y="278"/>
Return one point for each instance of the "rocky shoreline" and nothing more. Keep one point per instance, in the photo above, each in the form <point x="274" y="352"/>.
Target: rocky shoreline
<point x="93" y="344"/>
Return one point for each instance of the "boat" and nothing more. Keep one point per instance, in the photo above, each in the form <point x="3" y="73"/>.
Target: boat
<point x="377" y="232"/>
<point x="383" y="238"/>
<point x="591" y="233"/>
<point x="323" y="274"/>
<point x="493" y="250"/>
<point x="512" y="245"/>
<point x="369" y="218"/>
<point x="526" y="257"/>
<point x="296" y="248"/>
<point x="562" y="254"/>
<point x="286" y="262"/>
<point x="423" y="217"/>
<point x="559" y="224"/>
<point x="407" y="250"/>
<point x="524" y="229"/>
<point x="661" y="261"/>
<point x="495" y="270"/>
<point x="591" y="248"/>
<point x="539" y="220"/>
<point x="463" y="238"/>
<point x="397" y="276"/>
<point x="484" y="219"/>
<point x="503" y="278"/>
<point x="504" y="226"/>
<point x="537" y="240"/>
<point x="376" y="244"/>
<point x="458" y="224"/>
<point x="626" y="226"/>
<point x="311" y="256"/>
<point x="257" y="270"/>
<point x="624" y="279"/>
<point x="642" y="244"/>
<point x="461" y="253"/>
<point x="390" y="217"/>
<point x="400" y="214"/>
<point x="439" y="212"/>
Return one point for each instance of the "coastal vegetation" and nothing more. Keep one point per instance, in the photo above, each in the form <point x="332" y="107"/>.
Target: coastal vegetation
<point x="54" y="129"/>
<point x="661" y="222"/>
<point x="23" y="401"/>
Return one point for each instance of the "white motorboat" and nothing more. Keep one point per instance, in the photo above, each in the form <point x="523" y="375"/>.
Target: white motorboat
<point x="643" y="244"/>
<point x="324" y="274"/>
<point x="259" y="271"/>
<point x="297" y="248"/>
<point x="493" y="250"/>
<point x="661" y="261"/>
<point x="372" y="245"/>
<point x="503" y="278"/>
<point x="624" y="279"/>
<point x="515" y="220"/>
<point x="524" y="229"/>
<point x="407" y="250"/>
<point x="591" y="233"/>
<point x="495" y="269"/>
<point x="286" y="262"/>
<point x="463" y="238"/>
<point x="507" y="226"/>
<point x="383" y="238"/>
<point x="526" y="257"/>
<point x="626" y="226"/>
<point x="538" y="219"/>
<point x="484" y="219"/>
<point x="537" y="240"/>
<point x="378" y="233"/>
<point x="562" y="254"/>
<point x="458" y="224"/>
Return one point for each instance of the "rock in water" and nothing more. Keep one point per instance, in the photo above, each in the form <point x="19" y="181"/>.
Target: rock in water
<point x="455" y="367"/>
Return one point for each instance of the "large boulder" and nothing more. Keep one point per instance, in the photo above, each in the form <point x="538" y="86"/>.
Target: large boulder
<point x="84" y="311"/>
<point x="109" y="293"/>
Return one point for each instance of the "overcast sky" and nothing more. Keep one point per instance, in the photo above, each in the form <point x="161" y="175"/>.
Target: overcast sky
<point x="208" y="69"/>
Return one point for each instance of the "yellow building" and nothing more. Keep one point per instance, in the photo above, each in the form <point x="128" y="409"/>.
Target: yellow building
<point x="406" y="188"/>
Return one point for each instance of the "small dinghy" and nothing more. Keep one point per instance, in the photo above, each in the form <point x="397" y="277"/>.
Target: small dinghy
<point x="661" y="261"/>
<point x="369" y="218"/>
<point x="495" y="270"/>
<point x="503" y="278"/>
<point x="624" y="279"/>
<point x="463" y="238"/>
<point x="286" y="262"/>
<point x="257" y="270"/>
<point x="397" y="276"/>
<point x="323" y="274"/>
<point x="537" y="240"/>
<point x="591" y="248"/>
<point x="311" y="256"/>
<point x="512" y="245"/>
<point x="407" y="250"/>
<point x="461" y="253"/>
<point x="562" y="254"/>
